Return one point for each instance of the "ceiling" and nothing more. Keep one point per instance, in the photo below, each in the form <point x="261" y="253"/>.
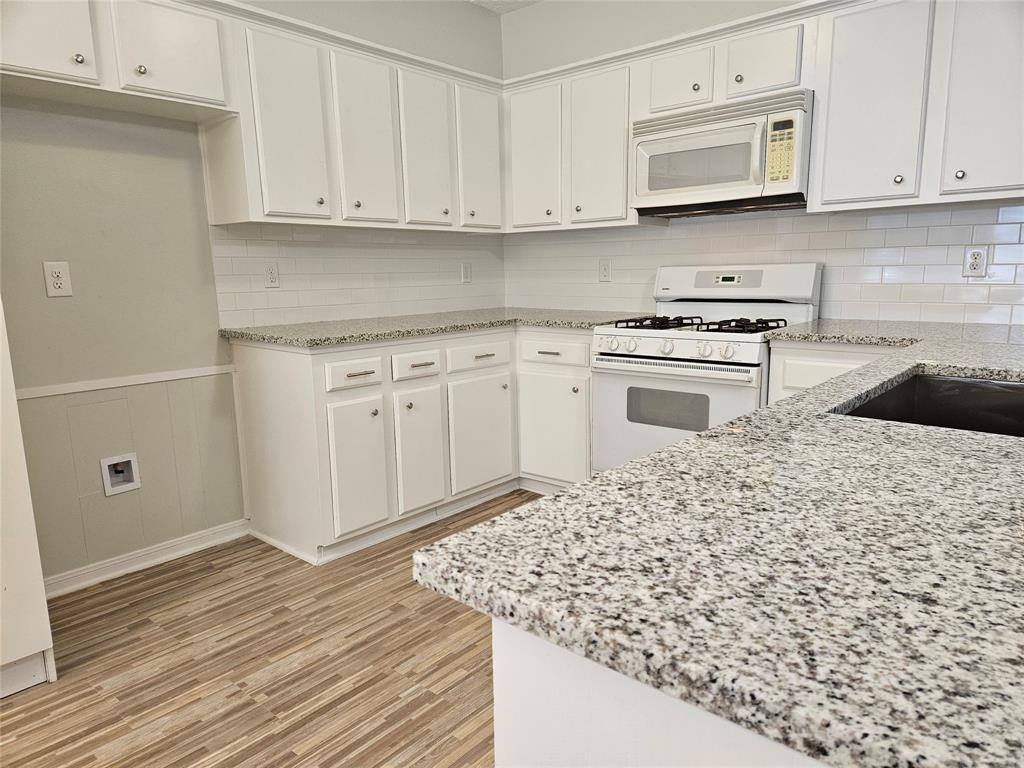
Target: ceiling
<point x="503" y="6"/>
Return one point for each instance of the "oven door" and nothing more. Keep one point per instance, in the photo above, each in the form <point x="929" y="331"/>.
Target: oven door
<point x="637" y="413"/>
<point x="701" y="164"/>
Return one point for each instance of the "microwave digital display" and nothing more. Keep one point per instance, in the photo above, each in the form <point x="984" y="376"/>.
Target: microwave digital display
<point x="782" y="125"/>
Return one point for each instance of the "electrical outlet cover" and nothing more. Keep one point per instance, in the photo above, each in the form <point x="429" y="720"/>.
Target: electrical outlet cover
<point x="58" y="278"/>
<point x="604" y="270"/>
<point x="466" y="272"/>
<point x="271" y="277"/>
<point x="975" y="261"/>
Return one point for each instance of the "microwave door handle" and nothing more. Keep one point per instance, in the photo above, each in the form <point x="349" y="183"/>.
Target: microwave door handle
<point x="760" y="152"/>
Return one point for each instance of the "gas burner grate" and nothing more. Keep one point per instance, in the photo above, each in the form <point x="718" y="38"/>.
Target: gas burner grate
<point x="742" y="325"/>
<point x="659" y="323"/>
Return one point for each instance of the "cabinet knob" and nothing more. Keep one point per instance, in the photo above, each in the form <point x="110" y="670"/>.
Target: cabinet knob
<point x="374" y="412"/>
<point x="78" y="58"/>
<point x="445" y="211"/>
<point x="548" y="212"/>
<point x="960" y="174"/>
<point x="898" y="178"/>
<point x="575" y="390"/>
<point x="472" y="213"/>
<point x="579" y="208"/>
<point x="141" y="69"/>
<point x="696" y="86"/>
<point x="408" y="406"/>
<point x="504" y="386"/>
<point x="738" y="78"/>
<point x="320" y="201"/>
<point x="358" y="203"/>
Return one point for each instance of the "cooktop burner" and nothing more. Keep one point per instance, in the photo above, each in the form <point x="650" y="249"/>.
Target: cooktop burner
<point x="742" y="325"/>
<point x="659" y="323"/>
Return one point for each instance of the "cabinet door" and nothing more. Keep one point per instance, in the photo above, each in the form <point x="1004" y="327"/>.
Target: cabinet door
<point x="170" y="51"/>
<point x="984" y="144"/>
<point x="554" y="426"/>
<point x="480" y="430"/>
<point x="425" y="108"/>
<point x="874" y="114"/>
<point x="359" y="482"/>
<point x="48" y="38"/>
<point x="368" y="136"/>
<point x="599" y="114"/>
<point x="419" y="443"/>
<point x="289" y="125"/>
<point x="681" y="80"/>
<point x="478" y="120"/>
<point x="763" y="62"/>
<point x="535" y="155"/>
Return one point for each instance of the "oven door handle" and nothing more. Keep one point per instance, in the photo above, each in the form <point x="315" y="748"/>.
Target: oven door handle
<point x="678" y="369"/>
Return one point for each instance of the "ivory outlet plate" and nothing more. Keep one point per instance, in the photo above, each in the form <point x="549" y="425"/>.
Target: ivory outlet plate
<point x="58" y="278"/>
<point x="271" y="277"/>
<point x="975" y="261"/>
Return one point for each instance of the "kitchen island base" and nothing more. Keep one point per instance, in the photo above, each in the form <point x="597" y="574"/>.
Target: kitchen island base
<point x="555" y="708"/>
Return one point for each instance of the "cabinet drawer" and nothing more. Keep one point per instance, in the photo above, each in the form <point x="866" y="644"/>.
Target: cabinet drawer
<point x="412" y="365"/>
<point x="354" y="373"/>
<point x="474" y="356"/>
<point x="566" y="353"/>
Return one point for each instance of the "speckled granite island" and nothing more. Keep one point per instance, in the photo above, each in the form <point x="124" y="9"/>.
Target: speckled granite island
<point x="850" y="588"/>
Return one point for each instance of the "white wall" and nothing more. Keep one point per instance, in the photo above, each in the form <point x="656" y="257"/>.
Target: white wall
<point x="553" y="33"/>
<point x="898" y="264"/>
<point x="453" y="31"/>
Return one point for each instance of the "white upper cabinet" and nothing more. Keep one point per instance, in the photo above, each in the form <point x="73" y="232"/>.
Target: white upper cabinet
<point x="288" y="105"/>
<point x="367" y="124"/>
<point x="763" y="61"/>
<point x="359" y="484"/>
<point x="48" y="38"/>
<point x="599" y="114"/>
<point x="681" y="79"/>
<point x="480" y="430"/>
<point x="478" y="122"/>
<point x="875" y="67"/>
<point x="984" y="140"/>
<point x="169" y="51"/>
<point x="425" y="108"/>
<point x="535" y="155"/>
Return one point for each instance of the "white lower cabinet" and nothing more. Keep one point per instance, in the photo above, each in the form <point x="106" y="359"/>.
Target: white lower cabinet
<point x="359" y="482"/>
<point x="419" y="446"/>
<point x="796" y="366"/>
<point x="554" y="425"/>
<point x="480" y="430"/>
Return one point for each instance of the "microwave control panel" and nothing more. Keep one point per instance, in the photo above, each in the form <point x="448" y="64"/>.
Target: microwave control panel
<point x="780" y="150"/>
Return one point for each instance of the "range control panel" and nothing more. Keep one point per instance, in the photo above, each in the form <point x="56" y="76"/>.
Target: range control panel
<point x="780" y="150"/>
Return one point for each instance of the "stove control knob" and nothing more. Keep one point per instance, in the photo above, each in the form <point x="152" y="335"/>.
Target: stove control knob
<point x="704" y="349"/>
<point x="727" y="351"/>
<point x="613" y="343"/>
<point x="667" y="347"/>
<point x="631" y="345"/>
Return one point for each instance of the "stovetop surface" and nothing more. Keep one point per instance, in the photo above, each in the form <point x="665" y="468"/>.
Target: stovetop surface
<point x="738" y="325"/>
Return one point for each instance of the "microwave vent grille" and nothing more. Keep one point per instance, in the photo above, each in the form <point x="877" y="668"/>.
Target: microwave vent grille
<point x="783" y="102"/>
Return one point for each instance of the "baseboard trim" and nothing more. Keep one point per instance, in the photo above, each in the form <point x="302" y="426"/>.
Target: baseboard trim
<point x="286" y="548"/>
<point x="28" y="393"/>
<point x="87" y="575"/>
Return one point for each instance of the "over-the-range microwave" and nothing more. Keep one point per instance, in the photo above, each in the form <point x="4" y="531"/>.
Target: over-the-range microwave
<point x="726" y="159"/>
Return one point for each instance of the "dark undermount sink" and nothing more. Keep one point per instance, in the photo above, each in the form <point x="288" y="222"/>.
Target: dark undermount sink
<point x="980" y="405"/>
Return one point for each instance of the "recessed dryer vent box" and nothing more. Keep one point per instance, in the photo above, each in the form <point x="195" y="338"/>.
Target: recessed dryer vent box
<point x="120" y="474"/>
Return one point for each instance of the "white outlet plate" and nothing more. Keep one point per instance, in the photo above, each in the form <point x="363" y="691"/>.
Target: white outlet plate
<point x="271" y="277"/>
<point x="58" y="278"/>
<point x="466" y="272"/>
<point x="975" y="261"/>
<point x="604" y="270"/>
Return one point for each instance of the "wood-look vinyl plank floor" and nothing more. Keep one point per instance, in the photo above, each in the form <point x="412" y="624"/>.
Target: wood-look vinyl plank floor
<point x="242" y="656"/>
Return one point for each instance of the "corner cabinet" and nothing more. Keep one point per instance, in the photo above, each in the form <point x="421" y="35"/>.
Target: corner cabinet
<point x="478" y="125"/>
<point x="535" y="156"/>
<point x="480" y="430"/>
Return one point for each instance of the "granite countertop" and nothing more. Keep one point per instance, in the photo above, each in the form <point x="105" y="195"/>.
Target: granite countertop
<point x="331" y="333"/>
<point x="896" y="333"/>
<point x="850" y="587"/>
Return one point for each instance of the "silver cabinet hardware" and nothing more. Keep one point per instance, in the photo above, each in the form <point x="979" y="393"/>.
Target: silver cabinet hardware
<point x="738" y="78"/>
<point x="320" y="201"/>
<point x="359" y="373"/>
<point x="504" y="386"/>
<point x="374" y="412"/>
<point x="408" y="406"/>
<point x="472" y="213"/>
<point x="78" y="58"/>
<point x="579" y="208"/>
<point x="358" y="203"/>
<point x="141" y="69"/>
<point x="696" y="86"/>
<point x="422" y="365"/>
<point x="548" y="212"/>
<point x="898" y="178"/>
<point x="445" y="211"/>
<point x="548" y="352"/>
<point x="483" y="356"/>
<point x="960" y="174"/>
<point x="575" y="390"/>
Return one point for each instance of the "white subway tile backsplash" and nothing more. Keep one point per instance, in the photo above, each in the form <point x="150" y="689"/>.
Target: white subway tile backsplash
<point x="958" y="235"/>
<point x="968" y="215"/>
<point x="827" y="240"/>
<point x="906" y="236"/>
<point x="961" y="294"/>
<point x="887" y="220"/>
<point x="925" y="254"/>
<point x="928" y="218"/>
<point x="1000" y="294"/>
<point x="899" y="311"/>
<point x="1011" y="214"/>
<point x="903" y="274"/>
<point x="883" y="255"/>
<point x="946" y="273"/>
<point x="865" y="238"/>
<point x="921" y="293"/>
<point x="1008" y="254"/>
<point x="997" y="233"/>
<point x="942" y="313"/>
<point x="987" y="313"/>
<point x="861" y="275"/>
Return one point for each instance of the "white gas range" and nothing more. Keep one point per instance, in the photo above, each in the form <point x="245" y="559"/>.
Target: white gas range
<point x="701" y="360"/>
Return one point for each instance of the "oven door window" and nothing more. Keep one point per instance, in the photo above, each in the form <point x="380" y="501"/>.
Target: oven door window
<point x="665" y="408"/>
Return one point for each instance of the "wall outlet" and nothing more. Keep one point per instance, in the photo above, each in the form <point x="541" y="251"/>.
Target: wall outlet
<point x="58" y="278"/>
<point x="466" y="272"/>
<point x="604" y="270"/>
<point x="271" y="277"/>
<point x="975" y="261"/>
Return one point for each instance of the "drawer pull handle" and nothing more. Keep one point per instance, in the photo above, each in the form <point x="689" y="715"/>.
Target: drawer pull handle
<point x="548" y="352"/>
<point x="422" y="365"/>
<point x="484" y="356"/>
<point x="408" y="406"/>
<point x="356" y="374"/>
<point x="374" y="412"/>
